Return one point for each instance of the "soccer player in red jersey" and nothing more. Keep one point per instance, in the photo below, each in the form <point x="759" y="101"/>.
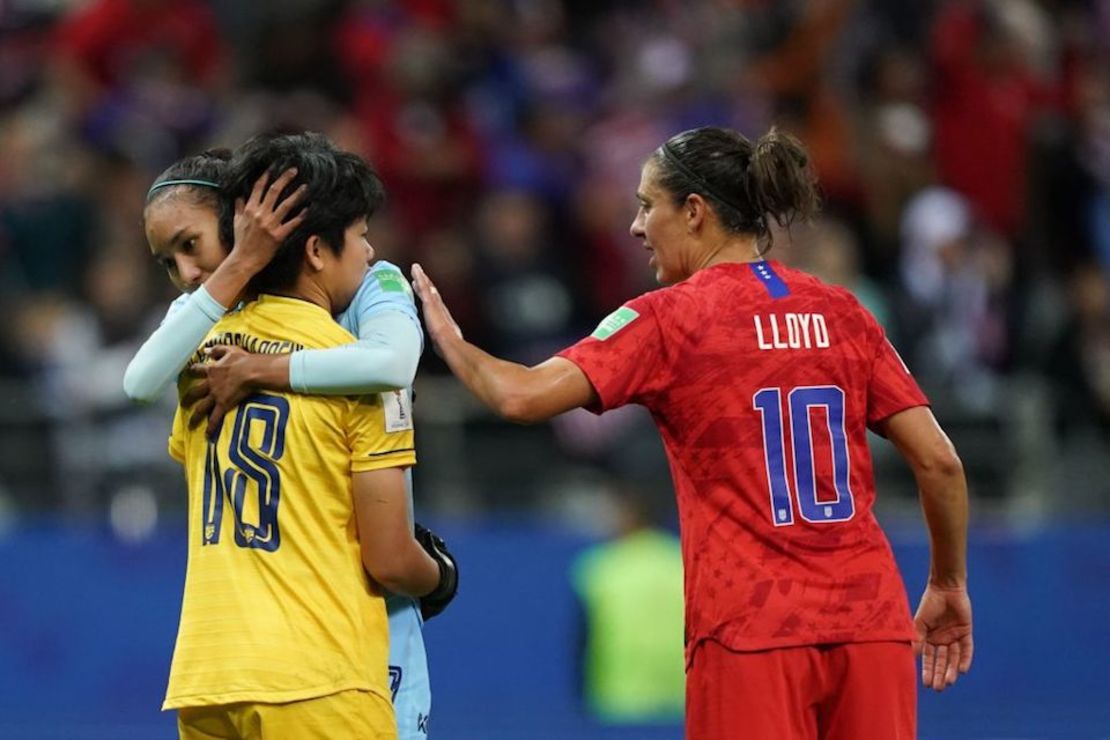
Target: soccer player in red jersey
<point x="763" y="382"/>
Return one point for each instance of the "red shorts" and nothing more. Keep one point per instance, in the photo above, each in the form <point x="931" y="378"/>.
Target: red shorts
<point x="850" y="691"/>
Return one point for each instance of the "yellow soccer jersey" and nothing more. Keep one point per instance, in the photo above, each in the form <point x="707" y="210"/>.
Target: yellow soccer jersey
<point x="277" y="606"/>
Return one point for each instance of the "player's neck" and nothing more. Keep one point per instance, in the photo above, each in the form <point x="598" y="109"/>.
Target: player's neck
<point x="309" y="290"/>
<point x="739" y="250"/>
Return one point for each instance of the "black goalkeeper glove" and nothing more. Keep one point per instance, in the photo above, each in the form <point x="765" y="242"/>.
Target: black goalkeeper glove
<point x="435" y="602"/>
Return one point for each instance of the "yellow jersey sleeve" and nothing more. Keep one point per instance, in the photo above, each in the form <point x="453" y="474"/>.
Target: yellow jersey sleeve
<point x="380" y="432"/>
<point x="177" y="436"/>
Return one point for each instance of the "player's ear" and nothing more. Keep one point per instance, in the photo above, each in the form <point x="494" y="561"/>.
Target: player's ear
<point x="313" y="247"/>
<point x="695" y="209"/>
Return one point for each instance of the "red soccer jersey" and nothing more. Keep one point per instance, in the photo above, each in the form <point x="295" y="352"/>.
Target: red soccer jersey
<point x="763" y="381"/>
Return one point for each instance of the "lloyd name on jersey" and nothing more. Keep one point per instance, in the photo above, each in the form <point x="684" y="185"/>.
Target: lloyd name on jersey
<point x="791" y="331"/>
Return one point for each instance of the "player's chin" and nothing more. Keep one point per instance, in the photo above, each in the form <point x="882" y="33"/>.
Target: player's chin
<point x="664" y="277"/>
<point x="342" y="303"/>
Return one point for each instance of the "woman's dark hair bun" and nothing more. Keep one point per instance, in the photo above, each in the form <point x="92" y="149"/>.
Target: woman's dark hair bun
<point x="745" y="182"/>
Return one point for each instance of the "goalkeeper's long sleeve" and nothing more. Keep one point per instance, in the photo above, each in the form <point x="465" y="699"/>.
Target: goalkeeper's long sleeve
<point x="164" y="355"/>
<point x="384" y="358"/>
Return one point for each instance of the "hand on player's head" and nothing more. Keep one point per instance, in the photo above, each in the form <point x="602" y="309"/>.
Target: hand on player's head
<point x="263" y="222"/>
<point x="341" y="187"/>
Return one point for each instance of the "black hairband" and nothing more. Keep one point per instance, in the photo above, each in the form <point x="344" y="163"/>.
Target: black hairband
<point x="696" y="179"/>
<point x="759" y="225"/>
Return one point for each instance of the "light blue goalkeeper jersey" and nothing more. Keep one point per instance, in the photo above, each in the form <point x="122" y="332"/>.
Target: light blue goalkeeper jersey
<point x="385" y="289"/>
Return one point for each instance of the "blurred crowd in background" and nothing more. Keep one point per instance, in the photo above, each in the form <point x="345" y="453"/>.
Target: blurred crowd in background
<point x="963" y="147"/>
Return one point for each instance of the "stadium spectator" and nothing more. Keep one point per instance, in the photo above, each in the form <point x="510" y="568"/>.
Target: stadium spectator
<point x="830" y="251"/>
<point x="986" y="92"/>
<point x="956" y="275"/>
<point x="528" y="299"/>
<point x="1079" y="363"/>
<point x="141" y="76"/>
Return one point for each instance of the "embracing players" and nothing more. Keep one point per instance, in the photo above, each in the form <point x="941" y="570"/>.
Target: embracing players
<point x="185" y="233"/>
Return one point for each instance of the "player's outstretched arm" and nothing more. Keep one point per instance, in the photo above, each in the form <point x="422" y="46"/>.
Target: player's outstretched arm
<point x="521" y="394"/>
<point x="943" y="619"/>
<point x="260" y="227"/>
<point x="390" y="552"/>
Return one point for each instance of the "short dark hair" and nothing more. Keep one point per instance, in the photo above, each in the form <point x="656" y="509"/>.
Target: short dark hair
<point x="342" y="188"/>
<point x="743" y="181"/>
<point x="202" y="178"/>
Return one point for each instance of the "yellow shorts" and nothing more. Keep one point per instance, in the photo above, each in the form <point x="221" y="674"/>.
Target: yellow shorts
<point x="342" y="716"/>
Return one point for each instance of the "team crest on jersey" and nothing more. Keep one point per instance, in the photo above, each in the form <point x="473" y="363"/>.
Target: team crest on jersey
<point x="614" y="322"/>
<point x="391" y="281"/>
<point x="398" y="411"/>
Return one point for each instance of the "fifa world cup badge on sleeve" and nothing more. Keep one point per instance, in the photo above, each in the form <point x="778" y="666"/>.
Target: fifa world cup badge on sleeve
<point x="392" y="282"/>
<point x="614" y="322"/>
<point x="398" y="411"/>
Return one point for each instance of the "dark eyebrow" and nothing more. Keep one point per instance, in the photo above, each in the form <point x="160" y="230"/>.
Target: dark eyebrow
<point x="159" y="255"/>
<point x="178" y="235"/>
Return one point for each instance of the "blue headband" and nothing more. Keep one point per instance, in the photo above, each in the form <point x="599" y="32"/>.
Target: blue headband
<point x="170" y="183"/>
